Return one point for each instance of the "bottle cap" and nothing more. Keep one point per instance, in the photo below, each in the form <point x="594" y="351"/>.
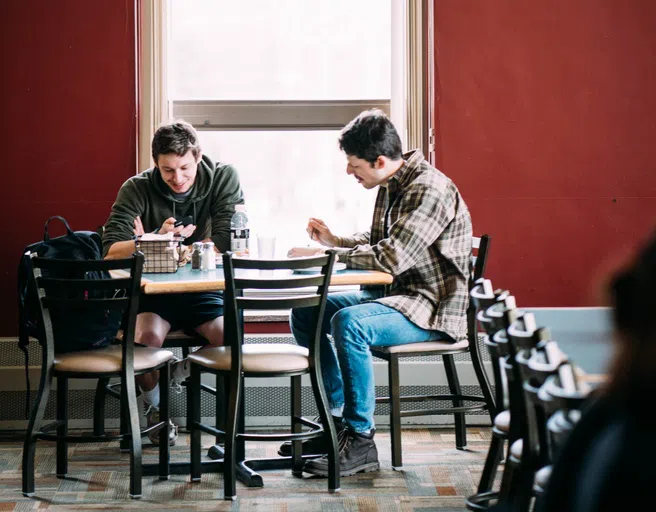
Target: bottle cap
<point x="240" y="208"/>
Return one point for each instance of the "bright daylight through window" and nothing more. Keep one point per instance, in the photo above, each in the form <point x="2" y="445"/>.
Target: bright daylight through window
<point x="236" y="68"/>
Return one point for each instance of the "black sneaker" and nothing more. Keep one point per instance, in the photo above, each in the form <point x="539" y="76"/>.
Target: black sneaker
<point x="314" y="446"/>
<point x="357" y="454"/>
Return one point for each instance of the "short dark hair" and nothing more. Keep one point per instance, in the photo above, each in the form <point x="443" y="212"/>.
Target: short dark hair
<point x="175" y="137"/>
<point x="371" y="135"/>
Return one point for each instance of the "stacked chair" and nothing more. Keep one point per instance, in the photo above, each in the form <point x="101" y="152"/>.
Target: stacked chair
<point x="540" y="401"/>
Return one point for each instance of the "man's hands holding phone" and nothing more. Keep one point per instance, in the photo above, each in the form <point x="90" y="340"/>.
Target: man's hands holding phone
<point x="182" y="227"/>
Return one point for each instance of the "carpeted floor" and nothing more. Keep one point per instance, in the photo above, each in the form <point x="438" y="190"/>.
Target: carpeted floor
<point x="435" y="477"/>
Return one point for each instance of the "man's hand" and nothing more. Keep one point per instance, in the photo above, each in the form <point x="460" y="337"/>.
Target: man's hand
<point x="318" y="231"/>
<point x="138" y="227"/>
<point x="300" y="252"/>
<point x="169" y="227"/>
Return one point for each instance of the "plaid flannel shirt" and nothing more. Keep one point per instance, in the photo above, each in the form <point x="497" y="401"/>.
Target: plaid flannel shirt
<point x="421" y="234"/>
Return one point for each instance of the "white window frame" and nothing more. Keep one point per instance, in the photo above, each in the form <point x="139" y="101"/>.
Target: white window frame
<point x="410" y="110"/>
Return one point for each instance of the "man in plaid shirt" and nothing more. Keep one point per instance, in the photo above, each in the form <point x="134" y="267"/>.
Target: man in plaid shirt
<point x="421" y="233"/>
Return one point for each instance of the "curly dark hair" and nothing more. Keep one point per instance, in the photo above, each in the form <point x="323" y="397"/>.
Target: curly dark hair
<point x="370" y="135"/>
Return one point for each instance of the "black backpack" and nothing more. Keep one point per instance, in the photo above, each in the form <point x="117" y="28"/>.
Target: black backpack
<point x="71" y="332"/>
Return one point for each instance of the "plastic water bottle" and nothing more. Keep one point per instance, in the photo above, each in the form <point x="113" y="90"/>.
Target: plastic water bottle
<point x="239" y="231"/>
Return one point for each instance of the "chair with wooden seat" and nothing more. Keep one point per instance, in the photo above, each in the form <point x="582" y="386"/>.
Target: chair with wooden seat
<point x="86" y="297"/>
<point x="393" y="354"/>
<point x="235" y="361"/>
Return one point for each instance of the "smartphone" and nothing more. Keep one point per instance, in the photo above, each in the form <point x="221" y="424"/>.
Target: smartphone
<point x="184" y="221"/>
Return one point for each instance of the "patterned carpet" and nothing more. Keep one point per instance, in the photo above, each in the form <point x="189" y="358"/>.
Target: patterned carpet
<point x="436" y="477"/>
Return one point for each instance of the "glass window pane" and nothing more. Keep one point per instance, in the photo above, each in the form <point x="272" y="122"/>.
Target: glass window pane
<point x="290" y="176"/>
<point x="282" y="50"/>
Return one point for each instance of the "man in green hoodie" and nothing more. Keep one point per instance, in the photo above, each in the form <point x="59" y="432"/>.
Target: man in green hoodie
<point x="184" y="182"/>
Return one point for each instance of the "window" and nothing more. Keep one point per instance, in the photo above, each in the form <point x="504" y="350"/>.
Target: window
<point x="269" y="85"/>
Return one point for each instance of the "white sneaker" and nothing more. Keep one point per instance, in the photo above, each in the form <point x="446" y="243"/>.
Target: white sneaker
<point x="180" y="371"/>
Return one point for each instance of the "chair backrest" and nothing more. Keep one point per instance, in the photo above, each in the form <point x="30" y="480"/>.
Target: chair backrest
<point x="250" y="274"/>
<point x="535" y="369"/>
<point x="480" y="253"/>
<point x="483" y="296"/>
<point x="87" y="298"/>
<point x="564" y="402"/>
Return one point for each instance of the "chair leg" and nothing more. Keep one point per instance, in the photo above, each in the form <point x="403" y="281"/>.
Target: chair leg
<point x="193" y="419"/>
<point x="240" y="444"/>
<point x="297" y="450"/>
<point x="494" y="455"/>
<point x="124" y="443"/>
<point x="164" y="415"/>
<point x="62" y="430"/>
<point x="231" y="446"/>
<point x="484" y="383"/>
<point x="454" y="388"/>
<point x="395" y="411"/>
<point x="330" y="430"/>
<point x="131" y="413"/>
<point x="220" y="407"/>
<point x="99" y="407"/>
<point x="33" y="427"/>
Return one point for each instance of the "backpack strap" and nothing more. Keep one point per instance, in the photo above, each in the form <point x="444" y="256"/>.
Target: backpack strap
<point x="46" y="236"/>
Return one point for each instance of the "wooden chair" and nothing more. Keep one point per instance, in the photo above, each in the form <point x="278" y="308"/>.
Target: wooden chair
<point x="87" y="296"/>
<point x="393" y="354"/>
<point x="236" y="361"/>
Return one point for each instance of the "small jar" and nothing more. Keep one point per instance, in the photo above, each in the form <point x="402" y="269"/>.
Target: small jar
<point x="197" y="256"/>
<point x="209" y="256"/>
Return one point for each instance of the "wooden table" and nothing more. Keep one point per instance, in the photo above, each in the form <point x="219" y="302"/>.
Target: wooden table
<point x="186" y="280"/>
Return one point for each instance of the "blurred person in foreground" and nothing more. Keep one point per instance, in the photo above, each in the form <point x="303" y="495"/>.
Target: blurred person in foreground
<point x="609" y="459"/>
<point x="183" y="183"/>
<point x="421" y="233"/>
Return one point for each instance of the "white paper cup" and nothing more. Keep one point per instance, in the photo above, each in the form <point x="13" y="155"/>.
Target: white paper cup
<point x="266" y="247"/>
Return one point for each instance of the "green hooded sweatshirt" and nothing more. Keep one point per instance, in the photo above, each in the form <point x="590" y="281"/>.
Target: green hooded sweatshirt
<point x="211" y="204"/>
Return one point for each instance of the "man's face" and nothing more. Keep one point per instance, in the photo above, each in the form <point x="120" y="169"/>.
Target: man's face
<point x="178" y="172"/>
<point x="369" y="176"/>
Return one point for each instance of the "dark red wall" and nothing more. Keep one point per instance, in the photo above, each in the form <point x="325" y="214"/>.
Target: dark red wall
<point x="546" y="120"/>
<point x="67" y="111"/>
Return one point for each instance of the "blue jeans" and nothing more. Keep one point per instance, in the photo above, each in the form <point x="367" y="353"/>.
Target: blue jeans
<point x="347" y="368"/>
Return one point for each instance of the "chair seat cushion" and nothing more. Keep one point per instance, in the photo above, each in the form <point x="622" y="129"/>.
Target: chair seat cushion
<point x="256" y="358"/>
<point x="423" y="346"/>
<point x="542" y="478"/>
<point x="517" y="448"/>
<point x="502" y="421"/>
<point x="109" y="360"/>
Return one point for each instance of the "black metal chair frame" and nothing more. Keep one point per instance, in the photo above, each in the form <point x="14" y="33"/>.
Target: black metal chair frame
<point x="484" y="298"/>
<point x="233" y="379"/>
<point x="106" y="388"/>
<point x="47" y="289"/>
<point x="484" y="402"/>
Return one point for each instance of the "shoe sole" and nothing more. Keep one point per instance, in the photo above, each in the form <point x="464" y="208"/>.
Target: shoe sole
<point x="365" y="468"/>
<point x="282" y="454"/>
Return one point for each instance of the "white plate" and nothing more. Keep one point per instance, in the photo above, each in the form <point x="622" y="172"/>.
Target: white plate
<point x="315" y="270"/>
